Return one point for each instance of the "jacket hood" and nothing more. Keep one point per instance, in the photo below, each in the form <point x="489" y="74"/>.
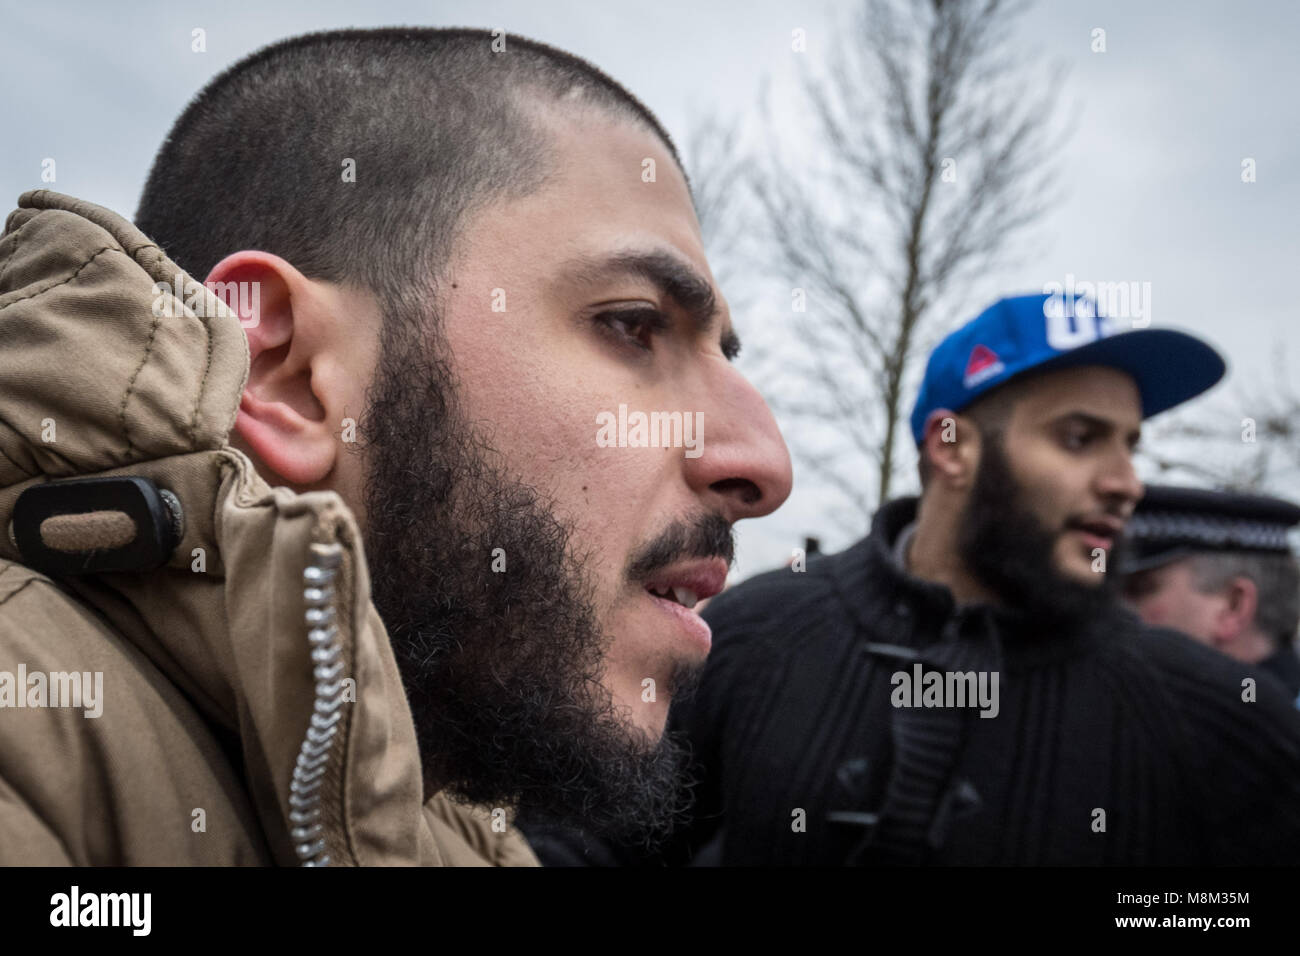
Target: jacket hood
<point x="103" y="373"/>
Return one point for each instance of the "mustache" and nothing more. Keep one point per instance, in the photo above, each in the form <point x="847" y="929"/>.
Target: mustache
<point x="708" y="536"/>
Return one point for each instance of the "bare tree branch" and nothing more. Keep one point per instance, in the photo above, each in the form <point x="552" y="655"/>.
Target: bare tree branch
<point x="928" y="165"/>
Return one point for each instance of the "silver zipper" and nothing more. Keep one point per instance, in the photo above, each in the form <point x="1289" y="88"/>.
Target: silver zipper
<point x="326" y="654"/>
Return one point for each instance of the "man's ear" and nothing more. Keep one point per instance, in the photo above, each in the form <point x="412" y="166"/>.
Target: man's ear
<point x="951" y="443"/>
<point x="282" y="419"/>
<point x="1233" y="619"/>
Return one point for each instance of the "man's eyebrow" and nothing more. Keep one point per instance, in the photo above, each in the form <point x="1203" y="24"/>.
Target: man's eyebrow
<point x="672" y="276"/>
<point x="1094" y="421"/>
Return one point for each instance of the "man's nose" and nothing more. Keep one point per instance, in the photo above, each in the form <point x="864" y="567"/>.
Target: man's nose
<point x="743" y="467"/>
<point x="1119" y="480"/>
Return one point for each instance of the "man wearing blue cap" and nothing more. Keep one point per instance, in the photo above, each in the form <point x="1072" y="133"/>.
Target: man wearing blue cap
<point x="963" y="686"/>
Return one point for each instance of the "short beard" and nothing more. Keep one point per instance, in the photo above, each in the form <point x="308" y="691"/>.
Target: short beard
<point x="501" y="668"/>
<point x="1005" y="546"/>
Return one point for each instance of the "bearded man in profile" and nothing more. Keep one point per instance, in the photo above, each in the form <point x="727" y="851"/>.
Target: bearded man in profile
<point x="369" y="651"/>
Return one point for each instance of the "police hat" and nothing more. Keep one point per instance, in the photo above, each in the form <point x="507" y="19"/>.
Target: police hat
<point x="1170" y="523"/>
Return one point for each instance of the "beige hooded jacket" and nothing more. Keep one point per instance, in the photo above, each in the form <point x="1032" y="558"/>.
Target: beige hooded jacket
<point x="249" y="705"/>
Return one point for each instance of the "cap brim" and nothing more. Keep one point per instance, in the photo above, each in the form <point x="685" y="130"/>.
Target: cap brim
<point x="1169" y="367"/>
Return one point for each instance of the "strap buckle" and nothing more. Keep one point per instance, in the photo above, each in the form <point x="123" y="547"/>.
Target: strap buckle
<point x="90" y="525"/>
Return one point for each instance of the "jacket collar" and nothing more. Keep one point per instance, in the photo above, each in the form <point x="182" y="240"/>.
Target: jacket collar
<point x="102" y="381"/>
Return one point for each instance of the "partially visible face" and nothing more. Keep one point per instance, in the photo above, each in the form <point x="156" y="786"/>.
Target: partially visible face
<point x="588" y="299"/>
<point x="533" y="575"/>
<point x="1052" y="489"/>
<point x="1166" y="596"/>
<point x="1070" y="439"/>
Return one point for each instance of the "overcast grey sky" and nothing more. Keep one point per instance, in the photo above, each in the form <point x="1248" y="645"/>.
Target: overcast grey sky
<point x="1160" y="125"/>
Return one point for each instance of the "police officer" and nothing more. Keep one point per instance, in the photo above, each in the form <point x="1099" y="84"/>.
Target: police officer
<point x="1217" y="565"/>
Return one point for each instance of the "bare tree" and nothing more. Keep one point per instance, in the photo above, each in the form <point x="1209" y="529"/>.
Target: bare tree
<point x="716" y="161"/>
<point x="930" y="144"/>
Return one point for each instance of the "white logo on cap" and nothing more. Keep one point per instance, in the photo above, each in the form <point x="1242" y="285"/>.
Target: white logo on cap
<point x="1072" y="322"/>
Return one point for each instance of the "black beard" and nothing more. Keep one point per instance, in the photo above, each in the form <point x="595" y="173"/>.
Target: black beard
<point x="1008" y="550"/>
<point x="501" y="669"/>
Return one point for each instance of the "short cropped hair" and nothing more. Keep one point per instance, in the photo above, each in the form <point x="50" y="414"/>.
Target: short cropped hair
<point x="435" y="121"/>
<point x="1276" y="577"/>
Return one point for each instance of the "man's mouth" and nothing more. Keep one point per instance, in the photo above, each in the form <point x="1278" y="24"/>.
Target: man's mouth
<point x="689" y="582"/>
<point x="679" y="588"/>
<point x="683" y="596"/>
<point x="1098" y="532"/>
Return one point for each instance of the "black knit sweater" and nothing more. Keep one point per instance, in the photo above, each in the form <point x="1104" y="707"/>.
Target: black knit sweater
<point x="1285" y="666"/>
<point x="1114" y="744"/>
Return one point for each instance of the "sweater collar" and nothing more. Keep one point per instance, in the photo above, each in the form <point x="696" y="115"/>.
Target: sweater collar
<point x="891" y="533"/>
<point x="929" y="604"/>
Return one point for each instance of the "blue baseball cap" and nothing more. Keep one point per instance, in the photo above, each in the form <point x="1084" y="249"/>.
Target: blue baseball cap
<point x="1049" y="331"/>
